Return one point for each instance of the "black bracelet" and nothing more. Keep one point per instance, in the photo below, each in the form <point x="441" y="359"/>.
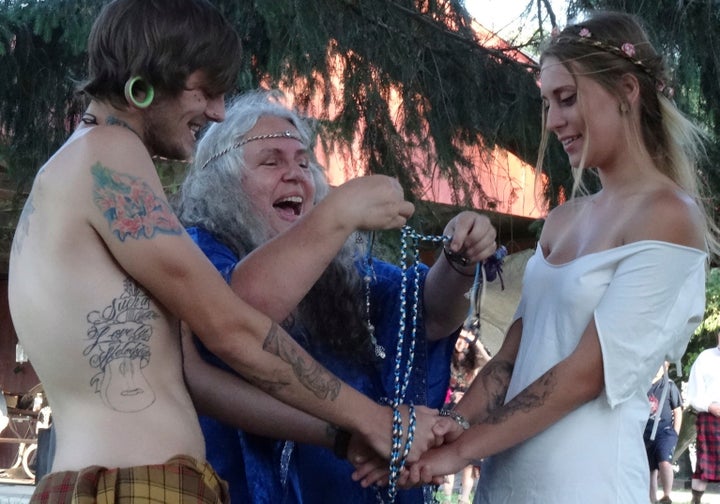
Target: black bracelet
<point x="454" y="259"/>
<point x="342" y="442"/>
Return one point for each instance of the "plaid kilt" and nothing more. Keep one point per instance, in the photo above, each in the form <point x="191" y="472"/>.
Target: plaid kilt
<point x="181" y="479"/>
<point x="707" y="467"/>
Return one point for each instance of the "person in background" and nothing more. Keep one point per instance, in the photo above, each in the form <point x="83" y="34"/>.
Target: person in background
<point x="703" y="394"/>
<point x="101" y="272"/>
<point x="661" y="432"/>
<point x="255" y="179"/>
<point x="615" y="287"/>
<point x="468" y="359"/>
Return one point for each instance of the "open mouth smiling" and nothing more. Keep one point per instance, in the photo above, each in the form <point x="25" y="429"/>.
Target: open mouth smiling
<point x="290" y="206"/>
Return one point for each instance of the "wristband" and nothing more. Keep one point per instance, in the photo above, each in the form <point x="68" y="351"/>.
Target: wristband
<point x="342" y="441"/>
<point x="456" y="416"/>
<point x="456" y="258"/>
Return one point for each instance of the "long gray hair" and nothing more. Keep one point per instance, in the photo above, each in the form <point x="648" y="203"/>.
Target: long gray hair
<point x="213" y="198"/>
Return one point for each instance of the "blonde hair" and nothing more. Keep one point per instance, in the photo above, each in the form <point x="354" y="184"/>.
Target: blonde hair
<point x="608" y="46"/>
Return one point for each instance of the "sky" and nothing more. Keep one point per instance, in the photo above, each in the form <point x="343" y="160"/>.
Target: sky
<point x="502" y="15"/>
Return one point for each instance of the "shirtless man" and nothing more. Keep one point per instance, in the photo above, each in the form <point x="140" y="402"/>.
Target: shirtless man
<point x="101" y="271"/>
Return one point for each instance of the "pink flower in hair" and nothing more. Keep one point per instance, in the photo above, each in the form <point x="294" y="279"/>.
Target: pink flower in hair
<point x="628" y="49"/>
<point x="664" y="89"/>
<point x="585" y="33"/>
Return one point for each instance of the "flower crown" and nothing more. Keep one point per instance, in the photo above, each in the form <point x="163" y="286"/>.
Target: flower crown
<point x="625" y="51"/>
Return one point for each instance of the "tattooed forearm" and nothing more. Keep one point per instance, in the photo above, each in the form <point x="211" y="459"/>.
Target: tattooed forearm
<point x="313" y="376"/>
<point x="269" y="386"/>
<point x="494" y="378"/>
<point x="532" y="397"/>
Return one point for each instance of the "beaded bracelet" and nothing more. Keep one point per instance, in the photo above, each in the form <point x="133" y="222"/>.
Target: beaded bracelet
<point x="456" y="416"/>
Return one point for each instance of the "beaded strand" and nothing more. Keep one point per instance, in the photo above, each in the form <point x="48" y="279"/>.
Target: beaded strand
<point x="367" y="279"/>
<point x="397" y="462"/>
<point x="398" y="459"/>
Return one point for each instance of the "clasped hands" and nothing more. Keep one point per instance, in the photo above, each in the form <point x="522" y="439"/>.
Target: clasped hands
<point x="433" y="453"/>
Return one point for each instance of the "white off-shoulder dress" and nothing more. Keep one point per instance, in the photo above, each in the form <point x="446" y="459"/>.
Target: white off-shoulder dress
<point x="647" y="298"/>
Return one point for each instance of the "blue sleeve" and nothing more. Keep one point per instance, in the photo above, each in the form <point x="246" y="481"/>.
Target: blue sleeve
<point x="431" y="363"/>
<point x="219" y="254"/>
<point x="224" y="261"/>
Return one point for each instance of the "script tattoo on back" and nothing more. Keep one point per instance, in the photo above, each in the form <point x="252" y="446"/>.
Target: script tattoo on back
<point x="313" y="376"/>
<point x="119" y="348"/>
<point x="130" y="206"/>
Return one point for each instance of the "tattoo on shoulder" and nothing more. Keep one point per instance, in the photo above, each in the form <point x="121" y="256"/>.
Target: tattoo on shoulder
<point x="119" y="348"/>
<point x="130" y="206"/>
<point x="311" y="374"/>
<point x="22" y="230"/>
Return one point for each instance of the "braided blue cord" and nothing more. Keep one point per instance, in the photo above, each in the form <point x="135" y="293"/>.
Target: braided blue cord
<point x="397" y="462"/>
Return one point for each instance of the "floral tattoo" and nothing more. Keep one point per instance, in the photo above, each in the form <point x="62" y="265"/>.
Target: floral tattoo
<point x="130" y="206"/>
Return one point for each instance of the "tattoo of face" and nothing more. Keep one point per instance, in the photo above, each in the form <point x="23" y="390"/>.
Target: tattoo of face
<point x="130" y="206"/>
<point x="532" y="397"/>
<point x="22" y="230"/>
<point x="495" y="378"/>
<point x="313" y="376"/>
<point x="119" y="348"/>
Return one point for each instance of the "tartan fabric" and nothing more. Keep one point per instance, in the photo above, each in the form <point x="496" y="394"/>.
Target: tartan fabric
<point x="181" y="479"/>
<point x="707" y="467"/>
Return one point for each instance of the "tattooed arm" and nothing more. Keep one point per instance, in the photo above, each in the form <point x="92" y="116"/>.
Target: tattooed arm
<point x="225" y="396"/>
<point x="497" y="426"/>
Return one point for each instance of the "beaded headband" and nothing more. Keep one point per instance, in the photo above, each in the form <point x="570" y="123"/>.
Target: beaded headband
<point x="625" y="51"/>
<point x="243" y="141"/>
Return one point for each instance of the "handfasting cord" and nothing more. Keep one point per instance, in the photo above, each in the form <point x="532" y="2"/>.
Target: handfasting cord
<point x="397" y="460"/>
<point x="399" y="454"/>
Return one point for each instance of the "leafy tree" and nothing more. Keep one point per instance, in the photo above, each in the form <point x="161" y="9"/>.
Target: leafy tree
<point x="454" y="93"/>
<point x="706" y="334"/>
<point x="456" y="96"/>
<point x="41" y="55"/>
